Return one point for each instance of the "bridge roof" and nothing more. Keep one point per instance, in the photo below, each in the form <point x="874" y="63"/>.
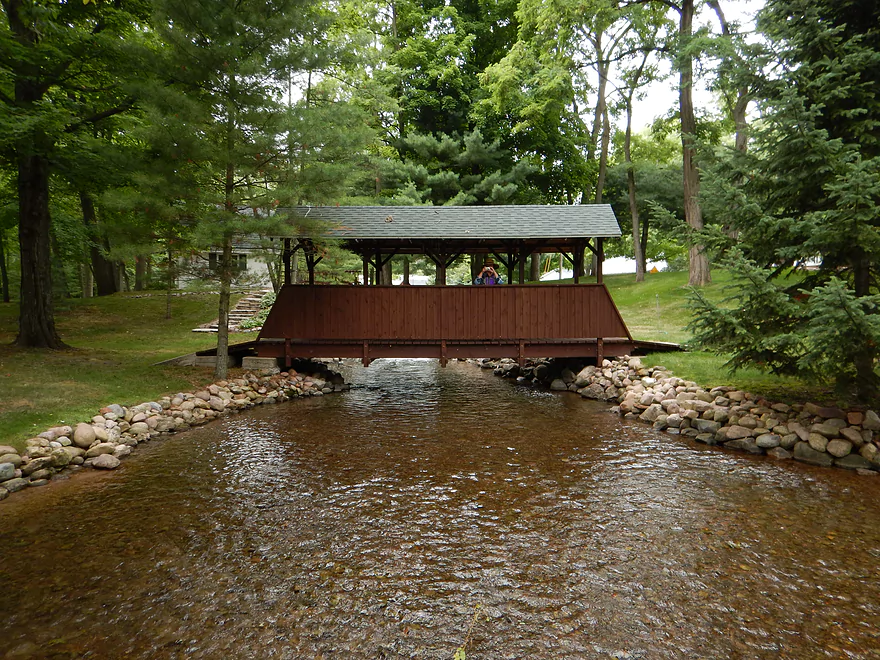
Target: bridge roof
<point x="465" y="223"/>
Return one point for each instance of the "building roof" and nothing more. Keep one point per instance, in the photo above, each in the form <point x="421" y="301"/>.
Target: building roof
<point x="466" y="223"/>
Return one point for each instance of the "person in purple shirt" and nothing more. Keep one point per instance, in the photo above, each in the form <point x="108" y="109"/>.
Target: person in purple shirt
<point x="488" y="276"/>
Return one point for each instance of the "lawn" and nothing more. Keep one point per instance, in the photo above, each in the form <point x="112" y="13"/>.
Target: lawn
<point x="116" y="342"/>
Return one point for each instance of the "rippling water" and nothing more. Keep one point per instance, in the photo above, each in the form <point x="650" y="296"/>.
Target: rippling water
<point x="375" y="524"/>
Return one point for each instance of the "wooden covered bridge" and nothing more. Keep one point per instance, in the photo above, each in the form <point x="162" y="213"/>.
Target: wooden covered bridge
<point x="517" y="320"/>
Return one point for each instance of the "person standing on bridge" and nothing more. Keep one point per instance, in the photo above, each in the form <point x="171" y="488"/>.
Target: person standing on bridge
<point x="488" y="276"/>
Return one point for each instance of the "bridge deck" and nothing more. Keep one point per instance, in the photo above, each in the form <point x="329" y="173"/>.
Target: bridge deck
<point x="518" y="321"/>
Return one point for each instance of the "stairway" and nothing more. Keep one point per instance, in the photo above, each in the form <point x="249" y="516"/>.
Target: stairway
<point x="246" y="308"/>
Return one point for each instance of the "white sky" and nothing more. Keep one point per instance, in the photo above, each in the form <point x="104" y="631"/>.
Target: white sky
<point x="661" y="96"/>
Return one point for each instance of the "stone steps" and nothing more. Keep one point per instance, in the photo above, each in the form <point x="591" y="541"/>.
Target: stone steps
<point x="246" y="308"/>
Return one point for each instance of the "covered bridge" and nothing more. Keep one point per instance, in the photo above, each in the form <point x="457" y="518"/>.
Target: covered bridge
<point x="517" y="319"/>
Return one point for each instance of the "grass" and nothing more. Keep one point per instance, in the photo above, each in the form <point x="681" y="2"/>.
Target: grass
<point x="117" y="341"/>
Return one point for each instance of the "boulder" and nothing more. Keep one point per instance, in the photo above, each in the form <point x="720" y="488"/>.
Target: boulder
<point x="737" y="432"/>
<point x="7" y="471"/>
<point x="706" y="426"/>
<point x="593" y="391"/>
<point x="744" y="444"/>
<point x="872" y="421"/>
<point x="106" y="462"/>
<point x="853" y="435"/>
<point x="853" y="462"/>
<point x="800" y="431"/>
<point x="839" y="448"/>
<point x="15" y="485"/>
<point x="869" y="452"/>
<point x="779" y="453"/>
<point x="139" y="428"/>
<point x="100" y="449"/>
<point x="15" y="459"/>
<point x="6" y="449"/>
<point x="805" y="453"/>
<point x="651" y="413"/>
<point x="788" y="441"/>
<point x="558" y="385"/>
<point x="827" y="413"/>
<point x="83" y="435"/>
<point x="768" y="440"/>
<point x="818" y="442"/>
<point x="36" y="464"/>
<point x="60" y="457"/>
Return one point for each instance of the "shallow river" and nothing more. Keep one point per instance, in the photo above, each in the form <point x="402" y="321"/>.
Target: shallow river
<point x="390" y="521"/>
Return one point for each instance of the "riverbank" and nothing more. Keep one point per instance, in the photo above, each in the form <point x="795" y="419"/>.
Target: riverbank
<point x="115" y="431"/>
<point x="735" y="419"/>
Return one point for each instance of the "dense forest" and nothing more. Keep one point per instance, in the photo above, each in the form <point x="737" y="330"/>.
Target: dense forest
<point x="135" y="133"/>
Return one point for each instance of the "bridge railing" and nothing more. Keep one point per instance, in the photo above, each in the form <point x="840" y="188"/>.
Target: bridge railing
<point x="513" y="313"/>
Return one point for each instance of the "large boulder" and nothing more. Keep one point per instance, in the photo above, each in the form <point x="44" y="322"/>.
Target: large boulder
<point x="6" y="449"/>
<point x="805" y="453"/>
<point x="84" y="435"/>
<point x="839" y="448"/>
<point x="7" y="471"/>
<point x="100" y="449"/>
<point x="106" y="462"/>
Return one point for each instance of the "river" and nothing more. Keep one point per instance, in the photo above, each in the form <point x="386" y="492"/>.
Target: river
<point x="430" y="504"/>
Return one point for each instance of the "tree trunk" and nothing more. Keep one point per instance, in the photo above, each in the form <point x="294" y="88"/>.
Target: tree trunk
<point x="603" y="158"/>
<point x="87" y="282"/>
<point x="638" y="254"/>
<point x="105" y="271"/>
<point x="4" y="275"/>
<point x="140" y="272"/>
<point x="699" y="273"/>
<point x="36" y="320"/>
<point x="169" y="281"/>
<point x="405" y="271"/>
<point x="222" y="367"/>
<point x="867" y="381"/>
<point x="535" y="267"/>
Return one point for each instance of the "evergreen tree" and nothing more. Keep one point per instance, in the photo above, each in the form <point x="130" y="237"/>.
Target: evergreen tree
<point x="808" y="191"/>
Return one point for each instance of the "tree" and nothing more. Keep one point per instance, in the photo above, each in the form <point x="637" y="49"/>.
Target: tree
<point x="232" y="60"/>
<point x="808" y="191"/>
<point x="63" y="67"/>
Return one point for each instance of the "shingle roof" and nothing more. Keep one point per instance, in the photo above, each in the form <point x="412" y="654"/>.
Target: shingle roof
<point x="466" y="222"/>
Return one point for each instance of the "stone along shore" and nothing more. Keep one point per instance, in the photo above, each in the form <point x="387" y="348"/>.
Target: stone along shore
<point x="112" y="434"/>
<point x="723" y="416"/>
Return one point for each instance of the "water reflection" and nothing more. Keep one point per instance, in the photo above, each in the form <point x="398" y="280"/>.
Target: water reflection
<point x="371" y="524"/>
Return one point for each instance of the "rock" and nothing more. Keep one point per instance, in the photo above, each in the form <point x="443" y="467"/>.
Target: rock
<point x="84" y="435"/>
<point x="121" y="451"/>
<point x="768" y="440"/>
<point x="827" y="413"/>
<point x="706" y="438"/>
<point x="100" y="449"/>
<point x="593" y="391"/>
<point x="788" y="441"/>
<point x="872" y="421"/>
<point x="805" y="453"/>
<point x="853" y="462"/>
<point x="651" y="413"/>
<point x="567" y="376"/>
<point x="737" y="432"/>
<point x="139" y="428"/>
<point x="36" y="464"/>
<point x="744" y="444"/>
<point x="706" y="426"/>
<point x="204" y="395"/>
<point x="839" y="448"/>
<point x="853" y="435"/>
<point x="800" y="431"/>
<point x="15" y="485"/>
<point x="106" y="462"/>
<point x="114" y="408"/>
<point x="673" y="420"/>
<point x="869" y="452"/>
<point x="7" y="471"/>
<point x="6" y="449"/>
<point x="855" y="418"/>
<point x="217" y="404"/>
<point x="15" y="459"/>
<point x="60" y="457"/>
<point x="748" y="422"/>
<point x="779" y="453"/>
<point x="45" y="473"/>
<point x="817" y="441"/>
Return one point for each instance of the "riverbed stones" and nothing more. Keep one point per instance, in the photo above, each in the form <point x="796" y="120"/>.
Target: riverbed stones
<point x="7" y="471"/>
<point x="768" y="440"/>
<point x="839" y="448"/>
<point x="872" y="421"/>
<point x="105" y="462"/>
<point x="818" y="442"/>
<point x="737" y="432"/>
<point x="100" y="449"/>
<point x="84" y="435"/>
<point x="15" y="459"/>
<point x="852" y="462"/>
<point x="744" y="444"/>
<point x="804" y="452"/>
<point x="15" y="485"/>
<point x="853" y="435"/>
<point x="779" y="453"/>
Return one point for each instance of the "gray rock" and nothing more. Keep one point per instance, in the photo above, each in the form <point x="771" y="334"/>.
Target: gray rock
<point x="60" y="457"/>
<point x="3" y="493"/>
<point x="15" y="485"/>
<point x="706" y="426"/>
<point x="45" y="473"/>
<point x="802" y="433"/>
<point x="859" y="471"/>
<point x="827" y="430"/>
<point x="818" y="442"/>
<point x="779" y="453"/>
<point x="673" y="420"/>
<point x="737" y="432"/>
<point x="869" y="451"/>
<point x="788" y="441"/>
<point x="105" y="462"/>
<point x="593" y="391"/>
<point x="6" y="449"/>
<point x="872" y="421"/>
<point x="853" y="462"/>
<point x="100" y="449"/>
<point x="839" y="448"/>
<point x="121" y="451"/>
<point x="7" y="471"/>
<point x="805" y="453"/>
<point x="744" y="444"/>
<point x="558" y="385"/>
<point x="115" y="409"/>
<point x="768" y="441"/>
<point x="853" y="435"/>
<point x="84" y="436"/>
<point x="567" y="376"/>
<point x="651" y="413"/>
<point x="706" y="438"/>
<point x="36" y="464"/>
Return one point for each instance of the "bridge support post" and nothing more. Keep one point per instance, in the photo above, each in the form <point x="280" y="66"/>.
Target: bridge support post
<point x="443" y="359"/>
<point x="366" y="358"/>
<point x="600" y="351"/>
<point x="521" y="354"/>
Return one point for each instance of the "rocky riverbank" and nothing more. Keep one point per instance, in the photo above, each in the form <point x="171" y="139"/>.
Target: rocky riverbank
<point x="734" y="419"/>
<point x="116" y="430"/>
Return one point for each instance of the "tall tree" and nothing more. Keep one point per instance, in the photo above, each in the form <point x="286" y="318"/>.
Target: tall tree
<point x="233" y="60"/>
<point x="808" y="190"/>
<point x="63" y="70"/>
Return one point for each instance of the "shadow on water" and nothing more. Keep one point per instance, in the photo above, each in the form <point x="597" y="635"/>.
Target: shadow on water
<point x="372" y="524"/>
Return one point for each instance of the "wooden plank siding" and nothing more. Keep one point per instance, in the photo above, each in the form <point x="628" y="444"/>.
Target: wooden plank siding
<point x="444" y="321"/>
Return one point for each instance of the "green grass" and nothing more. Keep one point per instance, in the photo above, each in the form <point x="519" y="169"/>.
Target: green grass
<point x="116" y="342"/>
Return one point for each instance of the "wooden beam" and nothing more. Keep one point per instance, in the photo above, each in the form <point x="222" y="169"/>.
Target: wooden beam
<point x="285" y="256"/>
